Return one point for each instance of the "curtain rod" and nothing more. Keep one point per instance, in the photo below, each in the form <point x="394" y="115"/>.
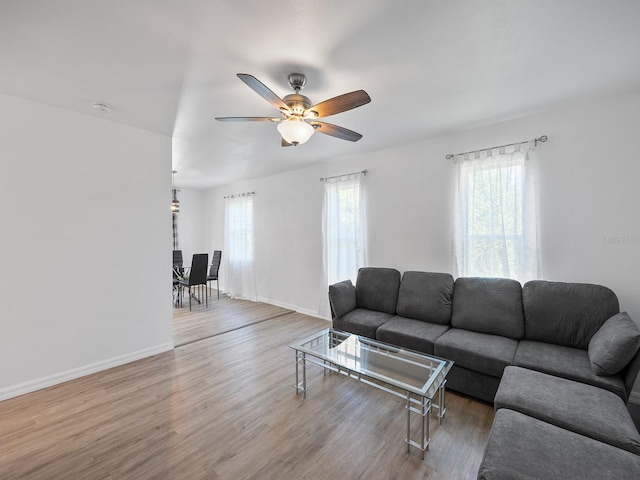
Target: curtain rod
<point x="535" y="141"/>
<point x="248" y="194"/>
<point x="324" y="179"/>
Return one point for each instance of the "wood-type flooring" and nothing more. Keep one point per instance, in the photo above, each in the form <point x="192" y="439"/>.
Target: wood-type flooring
<point x="219" y="316"/>
<point x="225" y="408"/>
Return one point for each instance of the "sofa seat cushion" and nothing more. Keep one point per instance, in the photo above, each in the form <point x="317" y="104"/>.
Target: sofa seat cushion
<point x="488" y="305"/>
<point x="411" y="334"/>
<point x="475" y="351"/>
<point x="522" y="447"/>
<point x="426" y="296"/>
<point x="581" y="408"/>
<point x="566" y="362"/>
<point x="361" y="322"/>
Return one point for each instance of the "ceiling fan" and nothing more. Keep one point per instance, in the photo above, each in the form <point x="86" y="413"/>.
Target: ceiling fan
<point x="299" y="117"/>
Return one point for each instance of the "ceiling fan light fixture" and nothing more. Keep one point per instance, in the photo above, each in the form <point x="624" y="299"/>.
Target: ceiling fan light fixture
<point x="299" y="114"/>
<point x="175" y="204"/>
<point x="295" y="131"/>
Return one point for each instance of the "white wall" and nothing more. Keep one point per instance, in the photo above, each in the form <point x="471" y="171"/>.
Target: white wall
<point x="588" y="207"/>
<point x="85" y="226"/>
<point x="191" y="224"/>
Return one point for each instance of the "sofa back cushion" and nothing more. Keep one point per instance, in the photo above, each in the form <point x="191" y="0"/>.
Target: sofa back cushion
<point x="566" y="314"/>
<point x="426" y="296"/>
<point x="488" y="305"/>
<point x="377" y="289"/>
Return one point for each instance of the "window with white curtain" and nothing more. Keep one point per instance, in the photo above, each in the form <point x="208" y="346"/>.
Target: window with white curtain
<point x="496" y="233"/>
<point x="239" y="245"/>
<point x="343" y="227"/>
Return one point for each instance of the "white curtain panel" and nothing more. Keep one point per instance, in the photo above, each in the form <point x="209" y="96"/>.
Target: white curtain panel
<point x="496" y="221"/>
<point x="343" y="232"/>
<point x="240" y="279"/>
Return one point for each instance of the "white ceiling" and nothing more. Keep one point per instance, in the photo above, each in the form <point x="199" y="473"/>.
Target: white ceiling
<point x="430" y="67"/>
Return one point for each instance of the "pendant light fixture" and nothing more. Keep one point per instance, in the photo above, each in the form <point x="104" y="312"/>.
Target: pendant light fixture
<point x="175" y="204"/>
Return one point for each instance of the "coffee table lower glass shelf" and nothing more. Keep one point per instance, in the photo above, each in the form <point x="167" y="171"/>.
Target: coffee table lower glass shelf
<point x="414" y="376"/>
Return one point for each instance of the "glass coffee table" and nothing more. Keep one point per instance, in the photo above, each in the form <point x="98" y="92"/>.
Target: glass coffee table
<point x="416" y="377"/>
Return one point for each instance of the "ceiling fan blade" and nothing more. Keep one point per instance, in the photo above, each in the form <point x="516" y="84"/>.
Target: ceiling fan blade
<point x="286" y="144"/>
<point x="336" y="131"/>
<point x="339" y="104"/>
<point x="248" y="119"/>
<point x="262" y="90"/>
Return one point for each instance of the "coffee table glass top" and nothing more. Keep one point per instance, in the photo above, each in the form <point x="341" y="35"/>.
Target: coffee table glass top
<point x="412" y="371"/>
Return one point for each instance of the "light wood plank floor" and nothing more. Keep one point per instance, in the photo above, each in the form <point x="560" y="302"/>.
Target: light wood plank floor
<point x="225" y="408"/>
<point x="220" y="316"/>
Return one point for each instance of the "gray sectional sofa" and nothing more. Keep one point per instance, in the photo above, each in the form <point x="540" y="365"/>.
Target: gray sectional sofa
<point x="514" y="344"/>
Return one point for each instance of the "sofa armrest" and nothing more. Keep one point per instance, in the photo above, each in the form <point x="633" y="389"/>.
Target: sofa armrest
<point x="342" y="298"/>
<point x="631" y="373"/>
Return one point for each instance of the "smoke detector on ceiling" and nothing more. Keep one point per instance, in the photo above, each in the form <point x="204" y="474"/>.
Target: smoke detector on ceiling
<point x="101" y="107"/>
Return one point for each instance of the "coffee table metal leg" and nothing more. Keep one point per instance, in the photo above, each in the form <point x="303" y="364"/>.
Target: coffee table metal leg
<point x="442" y="408"/>
<point x="425" y="420"/>
<point x="440" y="405"/>
<point x="423" y="411"/>
<point x="301" y="360"/>
<point x="408" y="422"/>
<point x="297" y="374"/>
<point x="304" y="375"/>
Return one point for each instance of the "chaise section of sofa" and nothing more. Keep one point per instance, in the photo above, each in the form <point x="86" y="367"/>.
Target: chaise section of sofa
<point x="584" y="426"/>
<point x="560" y="321"/>
<point x="524" y="447"/>
<point x="581" y="408"/>
<point x="423" y="312"/>
<point x="486" y="324"/>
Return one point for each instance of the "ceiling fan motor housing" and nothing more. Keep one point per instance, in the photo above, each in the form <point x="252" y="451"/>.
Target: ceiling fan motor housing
<point x="297" y="103"/>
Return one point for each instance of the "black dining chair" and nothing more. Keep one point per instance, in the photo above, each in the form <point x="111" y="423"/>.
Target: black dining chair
<point x="197" y="275"/>
<point x="177" y="258"/>
<point x="214" y="269"/>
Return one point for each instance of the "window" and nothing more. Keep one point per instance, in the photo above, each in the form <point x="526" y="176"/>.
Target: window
<point x="343" y="231"/>
<point x="496" y="223"/>
<point x="239" y="243"/>
<point x="240" y="229"/>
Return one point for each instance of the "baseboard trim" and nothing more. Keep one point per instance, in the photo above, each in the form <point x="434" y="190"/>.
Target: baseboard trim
<point x="634" y="398"/>
<point x="311" y="313"/>
<point x="277" y="303"/>
<point x="295" y="308"/>
<point x="40" y="383"/>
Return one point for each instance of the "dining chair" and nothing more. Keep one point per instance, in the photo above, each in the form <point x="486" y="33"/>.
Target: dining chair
<point x="197" y="275"/>
<point x="214" y="269"/>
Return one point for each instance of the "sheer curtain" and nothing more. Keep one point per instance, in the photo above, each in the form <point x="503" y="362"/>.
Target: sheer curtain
<point x="343" y="232"/>
<point x="238" y="243"/>
<point x="496" y="222"/>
